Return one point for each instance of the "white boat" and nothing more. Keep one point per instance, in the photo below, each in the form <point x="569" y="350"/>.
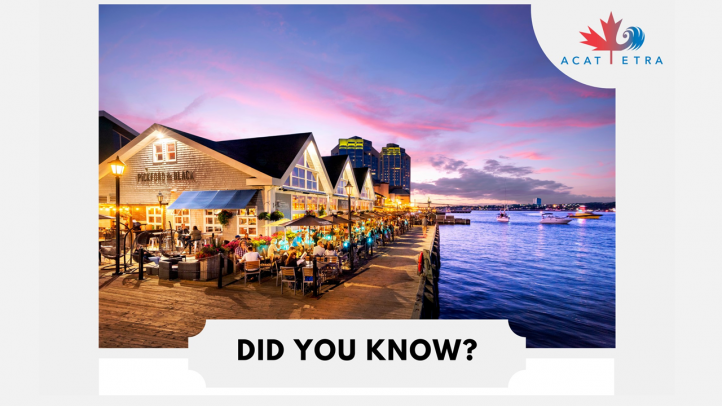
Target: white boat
<point x="550" y="218"/>
<point x="502" y="216"/>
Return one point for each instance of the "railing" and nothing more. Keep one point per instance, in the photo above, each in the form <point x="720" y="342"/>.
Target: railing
<point x="427" y="296"/>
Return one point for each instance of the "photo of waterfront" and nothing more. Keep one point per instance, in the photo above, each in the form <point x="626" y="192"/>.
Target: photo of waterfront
<point x="349" y="162"/>
<point x="555" y="283"/>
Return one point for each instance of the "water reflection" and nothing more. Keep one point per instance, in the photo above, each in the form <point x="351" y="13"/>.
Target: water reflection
<point x="555" y="283"/>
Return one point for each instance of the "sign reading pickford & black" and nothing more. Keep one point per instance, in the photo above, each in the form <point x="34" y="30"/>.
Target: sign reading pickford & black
<point x="165" y="177"/>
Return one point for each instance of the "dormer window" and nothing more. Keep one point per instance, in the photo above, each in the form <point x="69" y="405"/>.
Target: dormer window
<point x="164" y="151"/>
<point x="303" y="176"/>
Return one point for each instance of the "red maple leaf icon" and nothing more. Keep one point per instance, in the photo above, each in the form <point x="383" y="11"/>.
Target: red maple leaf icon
<point x="609" y="42"/>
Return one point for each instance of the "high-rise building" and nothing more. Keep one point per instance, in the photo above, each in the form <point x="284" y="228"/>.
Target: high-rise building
<point x="361" y="152"/>
<point x="536" y="201"/>
<point x="395" y="166"/>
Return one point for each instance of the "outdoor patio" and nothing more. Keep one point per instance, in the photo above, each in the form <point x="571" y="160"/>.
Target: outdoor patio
<point x="163" y="313"/>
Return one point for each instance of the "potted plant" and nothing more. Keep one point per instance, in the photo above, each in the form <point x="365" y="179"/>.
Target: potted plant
<point x="276" y="215"/>
<point x="321" y="212"/>
<point x="264" y="216"/>
<point x="224" y="217"/>
<point x="210" y="262"/>
<point x="311" y="213"/>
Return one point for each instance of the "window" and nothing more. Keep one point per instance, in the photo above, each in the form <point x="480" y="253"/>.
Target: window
<point x="302" y="176"/>
<point x="298" y="203"/>
<point x="247" y="222"/>
<point x="164" y="151"/>
<point x="210" y="222"/>
<point x="154" y="217"/>
<point x="180" y="217"/>
<point x="311" y="203"/>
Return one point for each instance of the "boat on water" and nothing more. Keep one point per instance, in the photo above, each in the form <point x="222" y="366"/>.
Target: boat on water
<point x="502" y="217"/>
<point x="583" y="213"/>
<point x="550" y="218"/>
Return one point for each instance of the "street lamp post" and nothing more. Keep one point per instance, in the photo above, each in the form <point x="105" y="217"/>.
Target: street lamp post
<point x="160" y="203"/>
<point x="349" y="189"/>
<point x="117" y="167"/>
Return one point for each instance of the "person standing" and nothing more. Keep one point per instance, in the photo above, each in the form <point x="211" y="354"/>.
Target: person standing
<point x="423" y="225"/>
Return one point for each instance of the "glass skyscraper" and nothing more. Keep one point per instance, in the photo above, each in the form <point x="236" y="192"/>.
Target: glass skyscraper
<point x="361" y="152"/>
<point x="395" y="166"/>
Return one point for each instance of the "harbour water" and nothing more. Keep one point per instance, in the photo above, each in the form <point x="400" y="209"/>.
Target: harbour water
<point x="554" y="283"/>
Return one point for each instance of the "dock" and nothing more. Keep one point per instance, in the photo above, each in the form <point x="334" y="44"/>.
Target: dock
<point x="448" y="219"/>
<point x="158" y="313"/>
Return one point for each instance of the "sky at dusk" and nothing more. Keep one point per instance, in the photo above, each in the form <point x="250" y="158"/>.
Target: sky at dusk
<point x="484" y="115"/>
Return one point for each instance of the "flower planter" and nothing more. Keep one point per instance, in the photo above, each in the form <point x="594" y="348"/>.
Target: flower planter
<point x="210" y="267"/>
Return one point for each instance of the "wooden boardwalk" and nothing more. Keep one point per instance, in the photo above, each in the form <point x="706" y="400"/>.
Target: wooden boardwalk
<point x="161" y="313"/>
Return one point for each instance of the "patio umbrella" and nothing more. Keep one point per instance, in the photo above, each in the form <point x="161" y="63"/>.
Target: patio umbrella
<point x="366" y="216"/>
<point x="307" y="221"/>
<point x="335" y="219"/>
<point x="278" y="223"/>
<point x="104" y="217"/>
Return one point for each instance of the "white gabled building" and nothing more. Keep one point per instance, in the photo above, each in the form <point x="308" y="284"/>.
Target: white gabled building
<point x="198" y="176"/>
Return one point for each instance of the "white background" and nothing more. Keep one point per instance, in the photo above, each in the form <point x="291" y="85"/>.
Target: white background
<point x="668" y="185"/>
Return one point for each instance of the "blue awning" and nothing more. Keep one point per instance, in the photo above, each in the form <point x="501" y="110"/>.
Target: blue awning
<point x="214" y="199"/>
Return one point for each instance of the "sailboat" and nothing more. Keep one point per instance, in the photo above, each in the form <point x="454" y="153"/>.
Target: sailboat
<point x="502" y="217"/>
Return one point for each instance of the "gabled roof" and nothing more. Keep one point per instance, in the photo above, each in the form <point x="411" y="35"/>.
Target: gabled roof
<point x="124" y="128"/>
<point x="270" y="155"/>
<point x="360" y="175"/>
<point x="334" y="167"/>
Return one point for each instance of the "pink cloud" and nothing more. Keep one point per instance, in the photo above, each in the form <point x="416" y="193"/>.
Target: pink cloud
<point x="609" y="174"/>
<point x="547" y="170"/>
<point x="582" y="121"/>
<point x="535" y="156"/>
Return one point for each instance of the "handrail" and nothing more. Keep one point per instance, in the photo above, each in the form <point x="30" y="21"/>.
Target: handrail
<point x="427" y="295"/>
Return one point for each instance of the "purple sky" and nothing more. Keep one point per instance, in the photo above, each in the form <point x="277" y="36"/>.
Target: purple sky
<point x="466" y="90"/>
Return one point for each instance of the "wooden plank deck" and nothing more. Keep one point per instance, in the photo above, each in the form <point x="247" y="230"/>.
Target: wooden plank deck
<point x="160" y="313"/>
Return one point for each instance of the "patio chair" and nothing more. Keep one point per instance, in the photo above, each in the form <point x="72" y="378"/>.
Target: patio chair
<point x="332" y="263"/>
<point x="108" y="251"/>
<point x="307" y="278"/>
<point x="252" y="268"/>
<point x="288" y="275"/>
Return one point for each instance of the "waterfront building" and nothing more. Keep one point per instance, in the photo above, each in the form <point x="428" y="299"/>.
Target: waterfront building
<point x="365" y="184"/>
<point x="537" y="201"/>
<point x="113" y="135"/>
<point x="340" y="172"/>
<point x="395" y="166"/>
<point x="361" y="152"/>
<point x="391" y="196"/>
<point x="400" y="196"/>
<point x="198" y="177"/>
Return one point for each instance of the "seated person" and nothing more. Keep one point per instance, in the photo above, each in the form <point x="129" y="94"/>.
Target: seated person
<point x="250" y="255"/>
<point x="319" y="249"/>
<point x="148" y="257"/>
<point x="330" y="250"/>
<point x="246" y="253"/>
<point x="240" y="251"/>
<point x="293" y="261"/>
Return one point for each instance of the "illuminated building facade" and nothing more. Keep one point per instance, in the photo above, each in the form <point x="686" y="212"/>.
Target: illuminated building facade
<point x="395" y="167"/>
<point x="361" y="153"/>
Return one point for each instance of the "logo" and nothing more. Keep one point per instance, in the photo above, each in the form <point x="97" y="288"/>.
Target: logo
<point x="634" y="36"/>
<point x="634" y="39"/>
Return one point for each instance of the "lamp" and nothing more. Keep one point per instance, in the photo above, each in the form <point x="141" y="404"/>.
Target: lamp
<point x="117" y="167"/>
<point x="349" y="189"/>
